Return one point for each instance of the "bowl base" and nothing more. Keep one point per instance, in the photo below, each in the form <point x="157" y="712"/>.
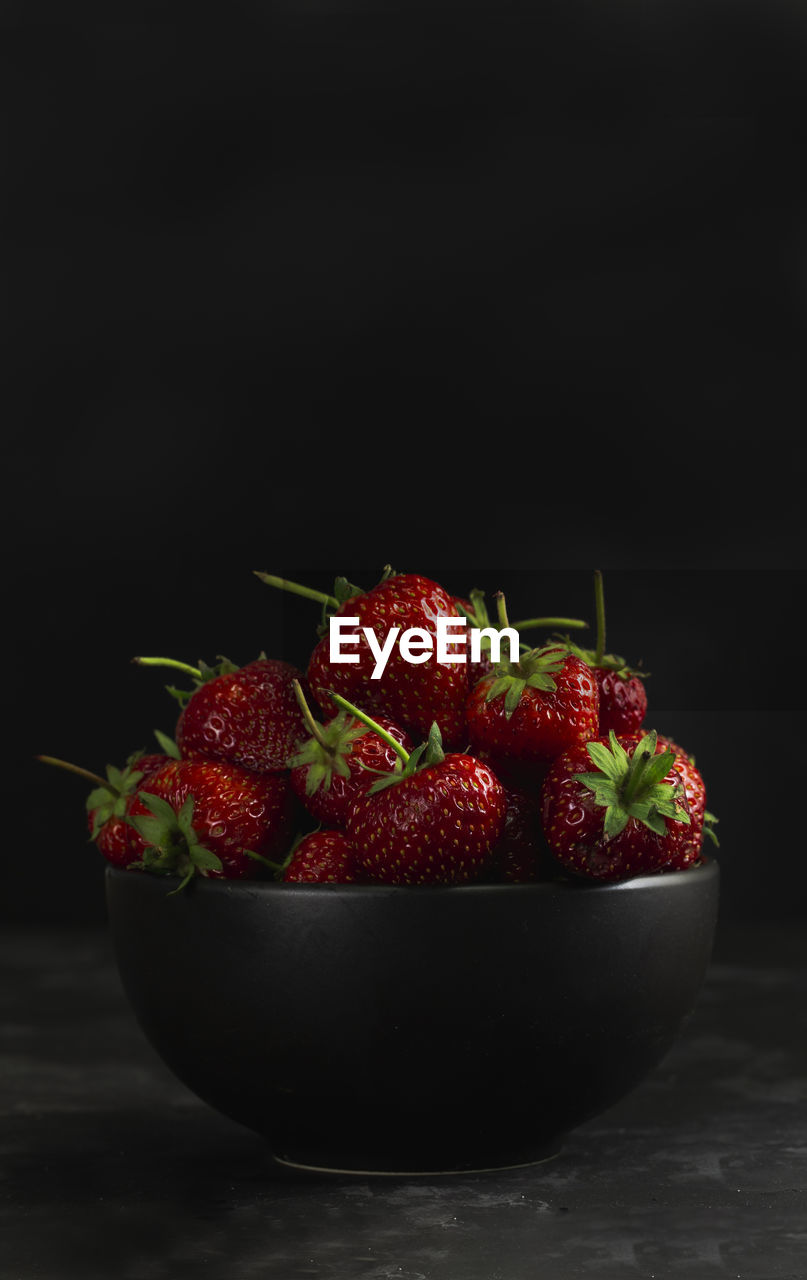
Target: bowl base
<point x="373" y="1167"/>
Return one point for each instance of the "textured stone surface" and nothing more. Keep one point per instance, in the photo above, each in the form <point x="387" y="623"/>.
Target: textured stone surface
<point x="109" y="1167"/>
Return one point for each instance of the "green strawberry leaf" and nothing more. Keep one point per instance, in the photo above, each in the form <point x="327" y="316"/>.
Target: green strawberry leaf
<point x="344" y="590"/>
<point x="167" y="744"/>
<point x="541" y="680"/>
<point x="182" y="696"/>
<point x="115" y="777"/>
<point x="184" y="882"/>
<point x="648" y="814"/>
<point x="605" y="790"/>
<point x="709" y="821"/>
<point x="100" y="798"/>
<point x="616" y="819"/>
<point x="184" y="820"/>
<point x="152" y="830"/>
<point x="606" y="761"/>
<point x="159" y="807"/>
<point x="204" y="859"/>
<point x="223" y="667"/>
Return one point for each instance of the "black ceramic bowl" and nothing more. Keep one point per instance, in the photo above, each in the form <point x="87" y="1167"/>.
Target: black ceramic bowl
<point x="412" y="1030"/>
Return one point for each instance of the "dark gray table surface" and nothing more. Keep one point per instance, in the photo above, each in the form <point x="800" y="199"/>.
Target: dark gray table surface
<point x="110" y="1168"/>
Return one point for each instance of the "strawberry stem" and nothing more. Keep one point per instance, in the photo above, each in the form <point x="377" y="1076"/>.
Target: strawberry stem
<point x="311" y="724"/>
<point x="599" y="605"/>
<point x="277" y="868"/>
<point x="501" y="610"/>
<point x="169" y="662"/>
<point x="506" y="666"/>
<point x="82" y="773"/>
<point x="400" y="751"/>
<point x="533" y="623"/>
<point x="297" y="589"/>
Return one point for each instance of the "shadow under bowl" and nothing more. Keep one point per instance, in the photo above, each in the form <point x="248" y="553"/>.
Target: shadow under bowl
<point x="373" y="1029"/>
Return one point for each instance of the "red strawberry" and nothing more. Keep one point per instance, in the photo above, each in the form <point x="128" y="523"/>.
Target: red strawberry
<point x="623" y="698"/>
<point x="532" y="710"/>
<point x="107" y="816"/>
<point x="437" y="821"/>
<point x="341" y="761"/>
<point x="325" y="856"/>
<point x="206" y="817"/>
<point x="240" y="715"/>
<point x="413" y="695"/>
<point x="626" y="816"/>
<point x="109" y="802"/>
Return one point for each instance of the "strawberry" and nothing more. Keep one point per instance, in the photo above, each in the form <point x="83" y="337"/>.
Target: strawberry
<point x="627" y="816"/>
<point x="205" y="817"/>
<point x="413" y="695"/>
<point x="324" y="856"/>
<point x="623" y="697"/>
<point x="109" y="802"/>
<point x="107" y="815"/>
<point x="340" y="761"/>
<point x="436" y="821"/>
<point x="247" y="715"/>
<point x="532" y="710"/>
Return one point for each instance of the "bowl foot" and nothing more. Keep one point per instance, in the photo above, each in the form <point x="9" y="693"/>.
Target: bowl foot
<point x="375" y="1166"/>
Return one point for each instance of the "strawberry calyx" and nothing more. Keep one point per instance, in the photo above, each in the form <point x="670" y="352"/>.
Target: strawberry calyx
<point x="110" y="796"/>
<point x="199" y="674"/>
<point x="428" y="752"/>
<point x="630" y="785"/>
<point x="172" y="844"/>
<point x="325" y="752"/>
<point x="110" y="799"/>
<point x="606" y="661"/>
<point x="535" y="669"/>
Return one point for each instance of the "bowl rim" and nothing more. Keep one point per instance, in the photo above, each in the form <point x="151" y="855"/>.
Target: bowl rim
<point x="706" y="869"/>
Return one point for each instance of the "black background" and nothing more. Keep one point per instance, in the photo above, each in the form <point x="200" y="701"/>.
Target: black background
<point x="317" y="288"/>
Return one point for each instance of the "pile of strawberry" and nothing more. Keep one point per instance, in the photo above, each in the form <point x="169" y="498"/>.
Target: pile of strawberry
<point x="434" y="773"/>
